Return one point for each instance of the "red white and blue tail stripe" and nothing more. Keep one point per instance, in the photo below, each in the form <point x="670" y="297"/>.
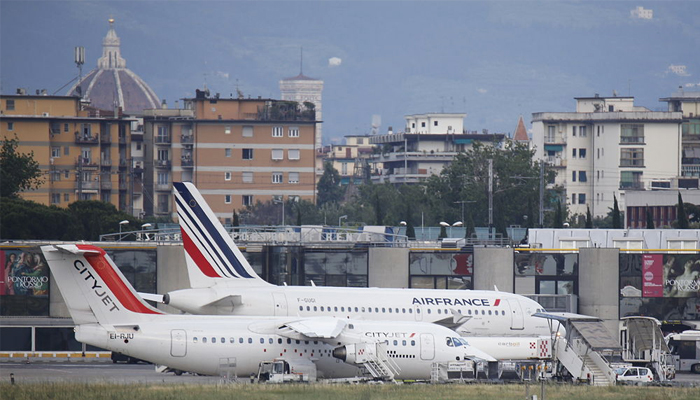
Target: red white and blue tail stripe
<point x="210" y="252"/>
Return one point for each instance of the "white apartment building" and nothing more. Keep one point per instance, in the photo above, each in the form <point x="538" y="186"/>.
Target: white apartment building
<point x="428" y="143"/>
<point x="607" y="147"/>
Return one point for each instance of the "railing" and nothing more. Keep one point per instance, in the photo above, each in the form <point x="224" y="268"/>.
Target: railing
<point x="162" y="163"/>
<point x="186" y="162"/>
<point x="186" y="139"/>
<point x="85" y="138"/>
<point x="106" y="185"/>
<point x="162" y="139"/>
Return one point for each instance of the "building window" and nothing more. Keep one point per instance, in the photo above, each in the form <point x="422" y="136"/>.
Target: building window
<point x="227" y="199"/>
<point x="582" y="131"/>
<point x="55" y="128"/>
<point x="247" y="131"/>
<point x="66" y="197"/>
<point x="277" y="177"/>
<point x="632" y="157"/>
<point x="632" y="133"/>
<point x="691" y="127"/>
<point x="55" y="198"/>
<point x="227" y="129"/>
<point x="293" y="131"/>
<point x="66" y="174"/>
<point x="422" y="124"/>
<point x="66" y="150"/>
<point x="573" y="153"/>
<point x="163" y="178"/>
<point x="573" y="198"/>
<point x="164" y="156"/>
<point x="163" y="135"/>
<point x="581" y="198"/>
<point x="581" y="153"/>
<point x="631" y="180"/>
<point x="65" y="127"/>
<point x="10" y="126"/>
<point x="573" y="131"/>
<point x="247" y="200"/>
<point x="293" y="177"/>
<point x="227" y="176"/>
<point x="573" y="176"/>
<point x="247" y="154"/>
<point x="582" y="176"/>
<point x="435" y="123"/>
<point x="277" y="154"/>
<point x="344" y="168"/>
<point x="227" y="152"/>
<point x="55" y="152"/>
<point x="10" y="105"/>
<point x="247" y="177"/>
<point x="293" y="154"/>
<point x="277" y="131"/>
<point x="551" y="130"/>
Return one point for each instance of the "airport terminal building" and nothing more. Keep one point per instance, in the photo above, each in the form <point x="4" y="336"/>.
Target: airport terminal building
<point x="609" y="274"/>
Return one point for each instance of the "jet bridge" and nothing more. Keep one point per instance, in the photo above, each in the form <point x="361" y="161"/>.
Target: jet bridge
<point x="587" y="349"/>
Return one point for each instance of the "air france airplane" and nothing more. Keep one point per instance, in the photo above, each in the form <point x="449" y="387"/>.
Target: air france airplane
<point x="223" y="282"/>
<point x="109" y="314"/>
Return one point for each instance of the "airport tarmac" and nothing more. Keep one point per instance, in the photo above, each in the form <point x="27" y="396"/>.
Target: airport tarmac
<point x="141" y="373"/>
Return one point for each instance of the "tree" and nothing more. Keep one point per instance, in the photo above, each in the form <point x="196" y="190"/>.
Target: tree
<point x="328" y="187"/>
<point x="18" y="171"/>
<point x="616" y="218"/>
<point x="650" y="219"/>
<point x="682" y="217"/>
<point x="589" y="220"/>
<point x="95" y="217"/>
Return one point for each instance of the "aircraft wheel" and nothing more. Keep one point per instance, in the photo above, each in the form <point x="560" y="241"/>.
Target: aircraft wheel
<point x="177" y="372"/>
<point x="695" y="368"/>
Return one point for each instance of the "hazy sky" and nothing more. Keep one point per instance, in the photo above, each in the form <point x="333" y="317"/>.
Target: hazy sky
<point x="493" y="60"/>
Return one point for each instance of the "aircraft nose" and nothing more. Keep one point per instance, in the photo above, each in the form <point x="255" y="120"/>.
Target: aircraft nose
<point x="340" y="353"/>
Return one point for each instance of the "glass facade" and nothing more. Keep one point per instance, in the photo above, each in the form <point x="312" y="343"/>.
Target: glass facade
<point x="24" y="283"/>
<point x="441" y="270"/>
<point x="546" y="273"/>
<point x="663" y="286"/>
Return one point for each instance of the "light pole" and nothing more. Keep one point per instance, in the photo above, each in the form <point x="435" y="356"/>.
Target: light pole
<point x="342" y="217"/>
<point x="121" y="223"/>
<point x="143" y="228"/>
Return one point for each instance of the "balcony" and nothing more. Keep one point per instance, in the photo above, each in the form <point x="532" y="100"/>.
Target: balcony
<point x="631" y="185"/>
<point x="106" y="163"/>
<point x="105" y="138"/>
<point x="556" y="161"/>
<point x="85" y="138"/>
<point x="106" y="185"/>
<point x="162" y="163"/>
<point x="88" y="185"/>
<point x="85" y="164"/>
<point x="186" y="162"/>
<point x="163" y="139"/>
<point x="163" y="186"/>
<point x="186" y="139"/>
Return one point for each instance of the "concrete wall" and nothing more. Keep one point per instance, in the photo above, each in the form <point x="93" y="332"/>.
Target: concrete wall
<point x="493" y="266"/>
<point x="388" y="267"/>
<point x="599" y="285"/>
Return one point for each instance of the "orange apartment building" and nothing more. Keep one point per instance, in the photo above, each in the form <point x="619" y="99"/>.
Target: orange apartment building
<point x="236" y="151"/>
<point x="83" y="155"/>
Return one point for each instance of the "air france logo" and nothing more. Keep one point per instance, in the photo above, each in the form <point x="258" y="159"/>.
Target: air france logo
<point x="444" y="301"/>
<point x="97" y="288"/>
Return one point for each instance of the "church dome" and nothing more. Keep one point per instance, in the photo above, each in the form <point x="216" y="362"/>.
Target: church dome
<point x="112" y="85"/>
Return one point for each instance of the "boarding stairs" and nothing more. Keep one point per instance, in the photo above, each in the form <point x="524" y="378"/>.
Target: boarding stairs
<point x="375" y="359"/>
<point x="585" y="350"/>
<point x="643" y="344"/>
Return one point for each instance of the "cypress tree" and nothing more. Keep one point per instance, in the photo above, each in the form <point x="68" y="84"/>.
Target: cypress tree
<point x="616" y="220"/>
<point x="682" y="218"/>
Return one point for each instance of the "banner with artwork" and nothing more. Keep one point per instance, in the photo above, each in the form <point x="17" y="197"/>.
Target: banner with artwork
<point x="652" y="275"/>
<point x="24" y="283"/>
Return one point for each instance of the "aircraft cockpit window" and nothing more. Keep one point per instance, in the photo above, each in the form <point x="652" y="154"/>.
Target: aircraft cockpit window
<point x="449" y="342"/>
<point x="350" y="326"/>
<point x="458" y="342"/>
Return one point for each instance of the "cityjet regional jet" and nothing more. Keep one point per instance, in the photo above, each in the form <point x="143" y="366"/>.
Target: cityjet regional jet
<point x="109" y="314"/>
<point x="223" y="282"/>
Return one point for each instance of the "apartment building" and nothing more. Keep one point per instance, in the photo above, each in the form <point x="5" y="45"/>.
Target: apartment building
<point x="428" y="143"/>
<point x="82" y="152"/>
<point x="351" y="159"/>
<point x="688" y="103"/>
<point x="606" y="147"/>
<point x="237" y="152"/>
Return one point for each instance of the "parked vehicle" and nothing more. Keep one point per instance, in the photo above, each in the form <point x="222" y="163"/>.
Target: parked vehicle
<point x="634" y="375"/>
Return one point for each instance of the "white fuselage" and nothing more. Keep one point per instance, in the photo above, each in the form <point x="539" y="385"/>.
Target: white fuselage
<point x="208" y="344"/>
<point x="495" y="316"/>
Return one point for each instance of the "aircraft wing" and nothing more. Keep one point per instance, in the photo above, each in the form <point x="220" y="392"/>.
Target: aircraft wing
<point x="455" y="321"/>
<point x="318" y="328"/>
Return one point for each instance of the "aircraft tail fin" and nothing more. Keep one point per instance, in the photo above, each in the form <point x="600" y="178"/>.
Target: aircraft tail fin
<point x="210" y="253"/>
<point x="93" y="288"/>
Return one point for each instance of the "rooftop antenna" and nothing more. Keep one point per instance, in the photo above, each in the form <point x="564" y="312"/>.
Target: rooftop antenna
<point x="79" y="55"/>
<point x="301" y="60"/>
